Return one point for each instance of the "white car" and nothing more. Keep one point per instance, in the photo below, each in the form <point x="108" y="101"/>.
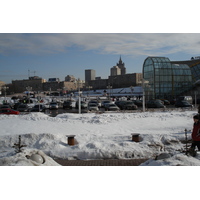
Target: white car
<point x="93" y="107"/>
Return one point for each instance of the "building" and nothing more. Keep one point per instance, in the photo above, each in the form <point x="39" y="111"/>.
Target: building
<point x="117" y="79"/>
<point x="35" y="83"/>
<point x="121" y="65"/>
<point x="166" y="79"/>
<point x="90" y="74"/>
<point x="115" y="70"/>
<point x="70" y="78"/>
<point x="54" y="80"/>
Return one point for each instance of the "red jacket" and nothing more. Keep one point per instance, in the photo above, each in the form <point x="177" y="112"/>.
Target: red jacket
<point x="196" y="132"/>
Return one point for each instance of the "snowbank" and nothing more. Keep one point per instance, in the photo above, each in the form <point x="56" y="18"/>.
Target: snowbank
<point x="98" y="136"/>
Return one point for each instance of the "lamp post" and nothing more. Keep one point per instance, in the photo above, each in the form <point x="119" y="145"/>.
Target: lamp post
<point x="109" y="87"/>
<point x="29" y="89"/>
<point x="79" y="97"/>
<point x="143" y="92"/>
<point x="5" y="88"/>
<point x="132" y="89"/>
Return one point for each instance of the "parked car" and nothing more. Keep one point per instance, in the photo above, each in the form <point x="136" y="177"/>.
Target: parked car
<point x="137" y="102"/>
<point x="183" y="104"/>
<point x="94" y="102"/>
<point x="67" y="105"/>
<point x="53" y="105"/>
<point x="93" y="107"/>
<point x="129" y="105"/>
<point x="83" y="105"/>
<point x="185" y="98"/>
<point x="165" y="101"/>
<point x="23" y="108"/>
<point x="155" y="104"/>
<point x="16" y="105"/>
<point x="6" y="105"/>
<point x="111" y="107"/>
<point x="120" y="103"/>
<point x="106" y="102"/>
<point x="38" y="108"/>
<point x="8" y="111"/>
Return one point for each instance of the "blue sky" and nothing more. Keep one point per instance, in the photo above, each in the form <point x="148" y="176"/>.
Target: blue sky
<point x="58" y="55"/>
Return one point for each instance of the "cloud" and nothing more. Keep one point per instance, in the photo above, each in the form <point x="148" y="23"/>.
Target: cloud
<point x="135" y="44"/>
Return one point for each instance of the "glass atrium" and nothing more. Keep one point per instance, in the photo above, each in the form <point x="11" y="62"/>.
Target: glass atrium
<point x="165" y="80"/>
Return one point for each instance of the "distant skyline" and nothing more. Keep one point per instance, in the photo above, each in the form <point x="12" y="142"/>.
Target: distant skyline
<point x="60" y="54"/>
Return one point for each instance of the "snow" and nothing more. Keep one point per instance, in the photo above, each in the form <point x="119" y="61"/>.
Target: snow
<point x="98" y="136"/>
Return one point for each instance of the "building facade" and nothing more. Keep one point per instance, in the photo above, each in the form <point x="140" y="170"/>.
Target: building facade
<point x="35" y="83"/>
<point x="90" y="74"/>
<point x="115" y="70"/>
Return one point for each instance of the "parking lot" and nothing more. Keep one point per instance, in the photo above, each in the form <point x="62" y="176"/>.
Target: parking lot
<point x="123" y="105"/>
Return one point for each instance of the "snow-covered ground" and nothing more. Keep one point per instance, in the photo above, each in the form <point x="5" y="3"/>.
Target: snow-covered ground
<point x="98" y="136"/>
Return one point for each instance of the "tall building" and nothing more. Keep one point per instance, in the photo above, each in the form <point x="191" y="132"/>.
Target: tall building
<point x="121" y="65"/>
<point x="115" y="70"/>
<point x="90" y="74"/>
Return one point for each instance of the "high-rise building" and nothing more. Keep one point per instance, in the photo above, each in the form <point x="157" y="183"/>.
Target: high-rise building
<point x="115" y="70"/>
<point x="121" y="65"/>
<point x="90" y="74"/>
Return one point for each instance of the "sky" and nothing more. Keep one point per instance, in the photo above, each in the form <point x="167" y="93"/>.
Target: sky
<point x="65" y="39"/>
<point x="56" y="55"/>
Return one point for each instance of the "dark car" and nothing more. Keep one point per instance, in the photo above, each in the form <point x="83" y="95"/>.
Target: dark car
<point x="67" y="105"/>
<point x="6" y="105"/>
<point x="105" y="102"/>
<point x="138" y="102"/>
<point x="23" y="108"/>
<point x="129" y="105"/>
<point x="183" y="104"/>
<point x="155" y="104"/>
<point x="120" y="103"/>
<point x="16" y="105"/>
<point x="38" y="108"/>
<point x="111" y="107"/>
<point x="8" y="111"/>
<point x="53" y="105"/>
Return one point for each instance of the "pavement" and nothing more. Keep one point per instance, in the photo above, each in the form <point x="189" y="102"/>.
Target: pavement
<point x="107" y="162"/>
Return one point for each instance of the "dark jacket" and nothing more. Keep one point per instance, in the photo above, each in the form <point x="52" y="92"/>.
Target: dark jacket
<point x="196" y="132"/>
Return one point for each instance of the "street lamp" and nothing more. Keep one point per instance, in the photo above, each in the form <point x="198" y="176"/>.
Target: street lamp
<point x="79" y="97"/>
<point x="143" y="82"/>
<point x="29" y="89"/>
<point x="5" y="88"/>
<point x="132" y="89"/>
<point x="109" y="87"/>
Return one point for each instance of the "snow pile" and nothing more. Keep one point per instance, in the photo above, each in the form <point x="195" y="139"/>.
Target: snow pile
<point x="97" y="136"/>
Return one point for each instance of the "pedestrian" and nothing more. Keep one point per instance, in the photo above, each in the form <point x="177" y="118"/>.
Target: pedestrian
<point x="195" y="135"/>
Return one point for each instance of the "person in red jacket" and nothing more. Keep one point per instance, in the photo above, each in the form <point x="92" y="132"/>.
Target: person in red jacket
<point x="195" y="135"/>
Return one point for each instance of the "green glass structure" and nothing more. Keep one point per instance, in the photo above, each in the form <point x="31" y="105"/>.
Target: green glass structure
<point x="165" y="80"/>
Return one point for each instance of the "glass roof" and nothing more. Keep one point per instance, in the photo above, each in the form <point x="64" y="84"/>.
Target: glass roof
<point x="160" y="59"/>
